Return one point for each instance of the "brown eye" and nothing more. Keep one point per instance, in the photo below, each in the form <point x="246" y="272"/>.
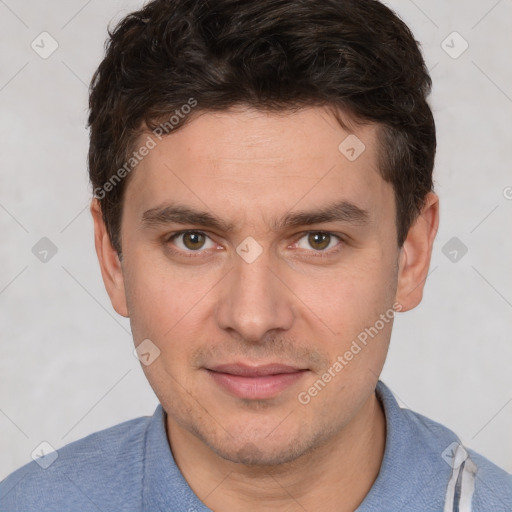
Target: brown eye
<point x="193" y="240"/>
<point x="319" y="241"/>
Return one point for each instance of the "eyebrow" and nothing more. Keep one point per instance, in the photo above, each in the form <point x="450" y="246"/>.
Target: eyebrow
<point x="182" y="215"/>
<point x="343" y="211"/>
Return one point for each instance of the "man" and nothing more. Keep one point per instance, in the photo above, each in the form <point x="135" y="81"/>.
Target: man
<point x="263" y="206"/>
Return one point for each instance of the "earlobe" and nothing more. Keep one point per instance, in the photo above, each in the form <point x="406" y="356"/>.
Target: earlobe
<point x="110" y="265"/>
<point x="415" y="255"/>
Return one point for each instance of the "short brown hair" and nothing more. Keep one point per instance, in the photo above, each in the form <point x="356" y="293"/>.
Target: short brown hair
<point x="274" y="55"/>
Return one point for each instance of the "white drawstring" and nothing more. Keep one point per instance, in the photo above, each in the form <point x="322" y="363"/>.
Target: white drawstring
<point x="461" y="487"/>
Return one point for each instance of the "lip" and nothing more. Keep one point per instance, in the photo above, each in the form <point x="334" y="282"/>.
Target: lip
<point x="255" y="382"/>
<point x="245" y="370"/>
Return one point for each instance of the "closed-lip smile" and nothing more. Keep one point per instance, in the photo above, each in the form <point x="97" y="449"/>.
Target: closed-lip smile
<point x="255" y="382"/>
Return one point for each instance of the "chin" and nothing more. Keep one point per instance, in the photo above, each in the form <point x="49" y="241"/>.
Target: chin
<point x="261" y="450"/>
<point x="251" y="454"/>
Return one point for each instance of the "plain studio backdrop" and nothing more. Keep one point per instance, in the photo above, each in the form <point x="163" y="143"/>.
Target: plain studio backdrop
<point x="66" y="364"/>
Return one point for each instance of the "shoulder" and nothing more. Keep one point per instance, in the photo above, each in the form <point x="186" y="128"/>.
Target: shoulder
<point x="104" y="467"/>
<point x="492" y="485"/>
<point x="432" y="468"/>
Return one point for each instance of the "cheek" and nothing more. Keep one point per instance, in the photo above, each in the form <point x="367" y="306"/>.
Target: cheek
<point x="171" y="306"/>
<point x="353" y="308"/>
<point x="352" y="296"/>
<point x="168" y="310"/>
<point x="157" y="298"/>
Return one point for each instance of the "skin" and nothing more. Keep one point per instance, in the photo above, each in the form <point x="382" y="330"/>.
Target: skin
<point x="291" y="305"/>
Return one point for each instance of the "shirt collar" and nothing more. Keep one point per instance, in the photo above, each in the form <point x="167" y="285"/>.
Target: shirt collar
<point x="407" y="469"/>
<point x="412" y="475"/>
<point x="164" y="487"/>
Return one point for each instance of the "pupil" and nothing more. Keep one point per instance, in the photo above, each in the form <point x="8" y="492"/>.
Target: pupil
<point x="319" y="240"/>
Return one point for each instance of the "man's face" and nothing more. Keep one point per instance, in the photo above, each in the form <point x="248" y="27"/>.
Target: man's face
<point x="272" y="282"/>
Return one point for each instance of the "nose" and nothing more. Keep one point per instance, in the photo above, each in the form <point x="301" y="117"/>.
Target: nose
<point x="255" y="300"/>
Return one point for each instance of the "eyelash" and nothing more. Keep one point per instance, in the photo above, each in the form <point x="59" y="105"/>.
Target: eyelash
<point x="200" y="253"/>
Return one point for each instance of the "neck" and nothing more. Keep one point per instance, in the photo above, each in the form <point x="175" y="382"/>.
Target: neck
<point x="334" y="477"/>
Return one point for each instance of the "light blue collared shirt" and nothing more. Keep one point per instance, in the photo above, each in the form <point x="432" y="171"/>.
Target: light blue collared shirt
<point x="130" y="467"/>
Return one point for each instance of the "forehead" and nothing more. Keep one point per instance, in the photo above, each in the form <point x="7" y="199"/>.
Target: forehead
<point x="259" y="159"/>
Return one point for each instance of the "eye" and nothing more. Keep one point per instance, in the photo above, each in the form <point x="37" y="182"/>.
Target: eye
<point x="318" y="241"/>
<point x="192" y="241"/>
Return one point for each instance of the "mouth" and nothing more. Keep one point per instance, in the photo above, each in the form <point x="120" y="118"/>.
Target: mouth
<point x="255" y="382"/>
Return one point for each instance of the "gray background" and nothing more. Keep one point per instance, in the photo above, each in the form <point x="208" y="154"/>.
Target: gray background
<point x="66" y="362"/>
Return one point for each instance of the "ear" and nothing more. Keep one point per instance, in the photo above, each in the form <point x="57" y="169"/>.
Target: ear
<point x="110" y="265"/>
<point x="415" y="254"/>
